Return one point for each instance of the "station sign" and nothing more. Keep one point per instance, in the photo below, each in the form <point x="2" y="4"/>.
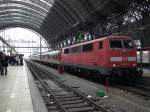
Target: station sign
<point x="21" y="41"/>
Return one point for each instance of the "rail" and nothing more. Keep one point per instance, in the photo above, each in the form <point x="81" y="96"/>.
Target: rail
<point x="66" y="98"/>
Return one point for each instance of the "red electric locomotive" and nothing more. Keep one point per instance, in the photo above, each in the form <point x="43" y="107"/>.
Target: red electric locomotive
<point x="113" y="55"/>
<point x="109" y="56"/>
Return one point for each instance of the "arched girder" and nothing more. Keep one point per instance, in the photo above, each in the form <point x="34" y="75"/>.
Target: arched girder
<point x="48" y="2"/>
<point x="20" y="21"/>
<point x="61" y="15"/>
<point x="59" y="21"/>
<point x="14" y="25"/>
<point x="78" y="7"/>
<point x="22" y="9"/>
<point x="22" y="14"/>
<point x="49" y="29"/>
<point x="11" y="3"/>
<point x="25" y="3"/>
<point x="50" y="23"/>
<point x="55" y="25"/>
<point x="13" y="16"/>
<point x="59" y="6"/>
<point x="64" y="4"/>
<point x="34" y="4"/>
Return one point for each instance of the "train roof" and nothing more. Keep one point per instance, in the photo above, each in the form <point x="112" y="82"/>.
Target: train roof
<point x="99" y="39"/>
<point x="48" y="52"/>
<point x="144" y="49"/>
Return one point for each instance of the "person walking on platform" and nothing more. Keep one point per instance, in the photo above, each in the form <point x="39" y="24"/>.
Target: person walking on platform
<point x="17" y="59"/>
<point x="4" y="64"/>
<point x="13" y="60"/>
<point x="21" y="59"/>
<point x="1" y="67"/>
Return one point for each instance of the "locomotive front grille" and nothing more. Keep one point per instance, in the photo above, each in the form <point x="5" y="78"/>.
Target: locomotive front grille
<point x="131" y="58"/>
<point x="114" y="59"/>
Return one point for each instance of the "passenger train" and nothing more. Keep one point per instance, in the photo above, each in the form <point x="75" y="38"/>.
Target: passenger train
<point x="145" y="54"/>
<point x="109" y="56"/>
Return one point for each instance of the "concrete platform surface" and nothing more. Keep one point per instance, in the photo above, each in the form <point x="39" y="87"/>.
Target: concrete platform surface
<point x="14" y="91"/>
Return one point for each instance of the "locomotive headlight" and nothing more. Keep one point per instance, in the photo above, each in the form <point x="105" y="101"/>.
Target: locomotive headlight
<point x="134" y="64"/>
<point x="114" y="65"/>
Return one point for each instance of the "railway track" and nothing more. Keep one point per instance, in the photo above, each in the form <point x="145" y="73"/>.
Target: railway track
<point x="60" y="97"/>
<point x="138" y="88"/>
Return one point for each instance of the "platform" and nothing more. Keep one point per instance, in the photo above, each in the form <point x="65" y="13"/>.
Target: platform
<point x="14" y="91"/>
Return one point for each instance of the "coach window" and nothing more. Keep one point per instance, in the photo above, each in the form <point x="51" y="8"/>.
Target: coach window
<point x="101" y="45"/>
<point x="87" y="47"/>
<point x="49" y="57"/>
<point x="66" y="51"/>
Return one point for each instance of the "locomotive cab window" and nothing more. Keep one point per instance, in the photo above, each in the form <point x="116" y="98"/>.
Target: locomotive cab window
<point x="116" y="44"/>
<point x="101" y="45"/>
<point x="87" y="47"/>
<point x="66" y="51"/>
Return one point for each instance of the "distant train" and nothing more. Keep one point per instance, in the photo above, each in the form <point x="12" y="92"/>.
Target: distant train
<point x="109" y="56"/>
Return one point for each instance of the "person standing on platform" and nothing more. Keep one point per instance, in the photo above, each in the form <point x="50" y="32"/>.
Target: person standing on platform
<point x="4" y="63"/>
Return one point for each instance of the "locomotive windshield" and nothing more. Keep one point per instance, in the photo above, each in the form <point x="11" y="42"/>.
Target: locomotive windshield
<point x="116" y="44"/>
<point x="127" y="44"/>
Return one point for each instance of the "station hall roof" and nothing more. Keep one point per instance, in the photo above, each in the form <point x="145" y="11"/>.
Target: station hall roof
<point x="53" y="18"/>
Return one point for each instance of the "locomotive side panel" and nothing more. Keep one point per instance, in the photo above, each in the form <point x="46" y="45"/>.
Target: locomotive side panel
<point x="82" y="54"/>
<point x="100" y="53"/>
<point x="85" y="54"/>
